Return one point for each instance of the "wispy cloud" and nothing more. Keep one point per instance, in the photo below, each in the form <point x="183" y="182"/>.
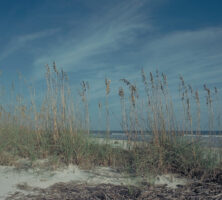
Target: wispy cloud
<point x="18" y="42"/>
<point x="107" y="32"/>
<point x="194" y="54"/>
<point x="109" y="45"/>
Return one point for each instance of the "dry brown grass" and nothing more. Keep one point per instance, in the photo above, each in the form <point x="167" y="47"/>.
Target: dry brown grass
<point x="58" y="125"/>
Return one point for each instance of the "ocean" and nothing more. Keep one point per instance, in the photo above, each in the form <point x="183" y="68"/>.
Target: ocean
<point x="206" y="138"/>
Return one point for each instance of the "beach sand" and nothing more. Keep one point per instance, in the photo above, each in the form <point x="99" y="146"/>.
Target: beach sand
<point x="24" y="179"/>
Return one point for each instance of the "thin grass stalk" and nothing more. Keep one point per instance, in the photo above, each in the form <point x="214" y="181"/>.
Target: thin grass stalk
<point x="197" y="98"/>
<point x="124" y="123"/>
<point x="100" y="112"/>
<point x="218" y="106"/>
<point x="83" y="94"/>
<point x="107" y="84"/>
<point x="210" y="108"/>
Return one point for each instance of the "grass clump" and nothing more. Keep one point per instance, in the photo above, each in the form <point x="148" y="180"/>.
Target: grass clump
<point x="19" y="142"/>
<point x="59" y="127"/>
<point x="53" y="127"/>
<point x="69" y="148"/>
<point x="174" y="158"/>
<point x="175" y="145"/>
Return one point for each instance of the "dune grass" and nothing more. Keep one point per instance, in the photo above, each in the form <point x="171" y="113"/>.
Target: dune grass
<point x="57" y="127"/>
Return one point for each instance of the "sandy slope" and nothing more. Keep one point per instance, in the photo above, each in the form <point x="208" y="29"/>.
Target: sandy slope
<point x="12" y="179"/>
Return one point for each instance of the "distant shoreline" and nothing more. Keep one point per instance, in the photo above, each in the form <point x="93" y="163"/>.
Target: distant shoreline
<point x="210" y="133"/>
<point x="214" y="139"/>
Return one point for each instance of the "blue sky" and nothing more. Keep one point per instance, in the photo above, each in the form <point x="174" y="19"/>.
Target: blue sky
<point x="94" y="39"/>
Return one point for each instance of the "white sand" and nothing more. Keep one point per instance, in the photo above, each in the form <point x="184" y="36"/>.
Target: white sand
<point x="10" y="177"/>
<point x="124" y="144"/>
<point x="171" y="180"/>
<point x="113" y="142"/>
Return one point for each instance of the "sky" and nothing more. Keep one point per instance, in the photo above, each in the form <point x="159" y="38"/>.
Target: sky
<point x="92" y="40"/>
